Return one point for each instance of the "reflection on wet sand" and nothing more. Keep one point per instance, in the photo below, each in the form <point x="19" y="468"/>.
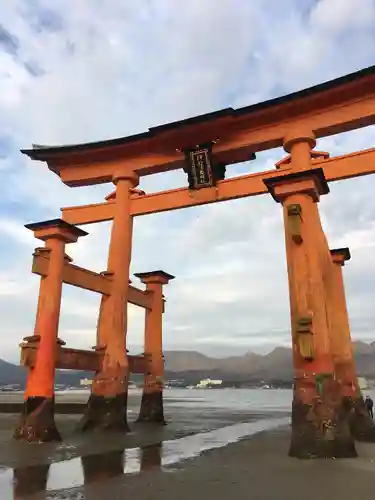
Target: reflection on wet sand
<point x="102" y="466"/>
<point x="30" y="480"/>
<point x="98" y="467"/>
<point x="151" y="456"/>
<point x="86" y="470"/>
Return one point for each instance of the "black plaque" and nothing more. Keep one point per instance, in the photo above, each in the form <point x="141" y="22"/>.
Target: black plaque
<point x="198" y="167"/>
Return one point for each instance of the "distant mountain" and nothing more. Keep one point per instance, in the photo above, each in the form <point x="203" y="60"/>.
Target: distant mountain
<point x="15" y="374"/>
<point x="11" y="374"/>
<point x="276" y="365"/>
<point x="192" y="366"/>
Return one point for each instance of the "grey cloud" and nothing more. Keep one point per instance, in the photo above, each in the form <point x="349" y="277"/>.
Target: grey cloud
<point x="8" y="41"/>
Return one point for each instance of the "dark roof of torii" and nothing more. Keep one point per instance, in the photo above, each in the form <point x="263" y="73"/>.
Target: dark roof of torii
<point x="41" y="152"/>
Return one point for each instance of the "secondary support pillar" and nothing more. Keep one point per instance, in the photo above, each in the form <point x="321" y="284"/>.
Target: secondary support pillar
<point x="37" y="419"/>
<point x="319" y="421"/>
<point x="152" y="398"/>
<point x="361" y="424"/>
<point x="107" y="405"/>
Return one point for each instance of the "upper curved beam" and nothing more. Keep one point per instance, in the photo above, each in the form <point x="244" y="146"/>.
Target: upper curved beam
<point x="340" y="105"/>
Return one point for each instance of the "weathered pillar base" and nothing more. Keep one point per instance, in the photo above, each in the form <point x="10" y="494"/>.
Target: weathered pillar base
<point x="320" y="420"/>
<point x="105" y="413"/>
<point x="37" y="421"/>
<point x="362" y="426"/>
<point x="152" y="410"/>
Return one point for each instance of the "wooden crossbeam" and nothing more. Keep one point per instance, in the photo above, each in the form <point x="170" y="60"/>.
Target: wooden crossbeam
<point x="140" y="298"/>
<point x="337" y="168"/>
<point x="341" y="105"/>
<point x="89" y="214"/>
<point x="138" y="364"/>
<point x="79" y="359"/>
<point x="89" y="280"/>
<point x="73" y="275"/>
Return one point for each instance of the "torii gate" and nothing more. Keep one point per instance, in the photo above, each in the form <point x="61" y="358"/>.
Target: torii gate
<point x="327" y="411"/>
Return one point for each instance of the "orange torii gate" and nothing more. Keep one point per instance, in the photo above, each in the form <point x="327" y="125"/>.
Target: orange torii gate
<point x="328" y="410"/>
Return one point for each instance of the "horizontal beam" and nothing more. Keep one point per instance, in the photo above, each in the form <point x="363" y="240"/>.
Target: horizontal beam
<point x="230" y="189"/>
<point x="100" y="172"/>
<point x="73" y="275"/>
<point x="140" y="298"/>
<point x="138" y="364"/>
<point x="89" y="214"/>
<point x="338" y="106"/>
<point x="237" y="187"/>
<point x="241" y="136"/>
<point x="89" y="280"/>
<point x="66" y="358"/>
<point x="337" y="168"/>
<point x="356" y="164"/>
<point x="79" y="359"/>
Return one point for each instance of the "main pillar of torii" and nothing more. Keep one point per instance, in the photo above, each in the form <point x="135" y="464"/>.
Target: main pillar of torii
<point x="319" y="419"/>
<point x="361" y="424"/>
<point x="107" y="405"/>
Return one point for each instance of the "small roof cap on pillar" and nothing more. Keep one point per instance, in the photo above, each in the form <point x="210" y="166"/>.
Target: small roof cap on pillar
<point x="341" y="253"/>
<point x="155" y="277"/>
<point x="56" y="228"/>
<point x="303" y="175"/>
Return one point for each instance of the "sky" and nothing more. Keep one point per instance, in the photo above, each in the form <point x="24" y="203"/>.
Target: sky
<point x="75" y="71"/>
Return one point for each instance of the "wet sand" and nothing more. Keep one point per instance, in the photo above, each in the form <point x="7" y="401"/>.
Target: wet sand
<point x="189" y="458"/>
<point x="184" y="418"/>
<point x="257" y="467"/>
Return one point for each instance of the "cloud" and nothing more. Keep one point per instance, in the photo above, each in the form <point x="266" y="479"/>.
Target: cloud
<point x="72" y="72"/>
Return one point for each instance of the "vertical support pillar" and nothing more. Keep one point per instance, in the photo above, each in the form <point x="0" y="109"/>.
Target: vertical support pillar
<point x="361" y="424"/>
<point x="37" y="418"/>
<point x="319" y="424"/>
<point x="152" y="398"/>
<point x="107" y="405"/>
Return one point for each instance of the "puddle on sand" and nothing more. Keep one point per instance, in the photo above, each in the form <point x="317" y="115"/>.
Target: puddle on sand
<point x="18" y="482"/>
